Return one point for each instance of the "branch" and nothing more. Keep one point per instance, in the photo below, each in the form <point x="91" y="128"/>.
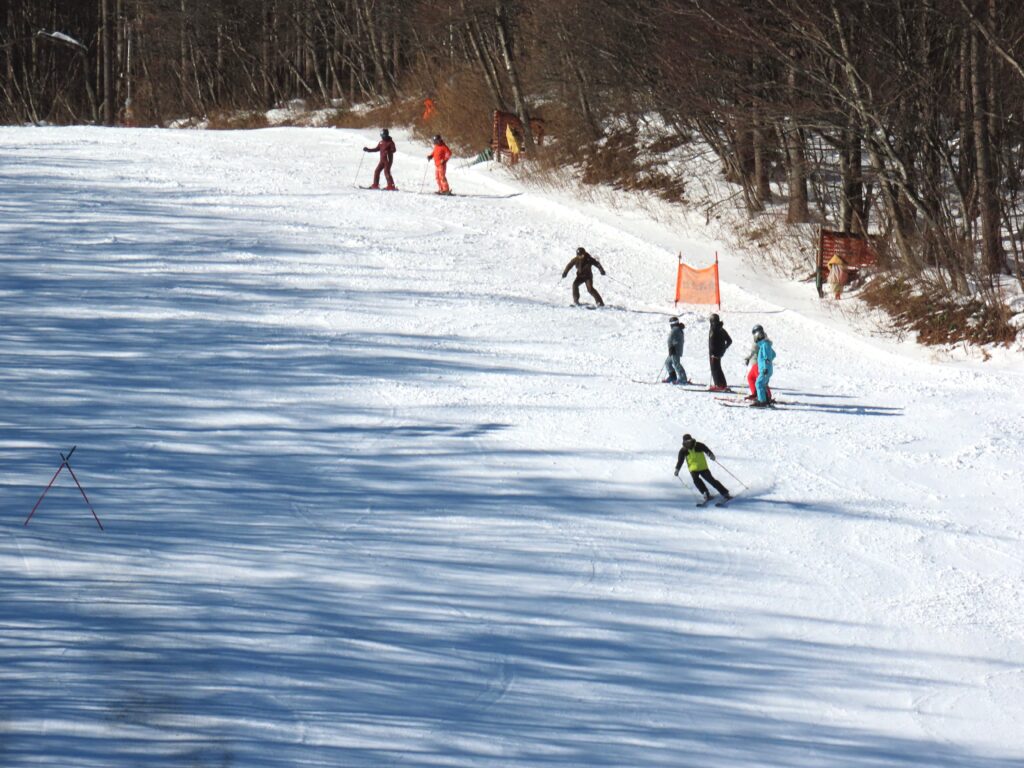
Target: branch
<point x="990" y="39"/>
<point x="60" y="37"/>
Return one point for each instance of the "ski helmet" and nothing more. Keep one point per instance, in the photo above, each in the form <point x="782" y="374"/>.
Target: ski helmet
<point x="714" y="319"/>
<point x="438" y="139"/>
<point x="673" y="321"/>
<point x="580" y="251"/>
<point x="384" y="133"/>
<point x="756" y="330"/>
<point x="688" y="440"/>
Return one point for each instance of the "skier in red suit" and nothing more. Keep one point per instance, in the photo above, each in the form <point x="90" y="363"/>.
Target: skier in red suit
<point x="386" y="147"/>
<point x="440" y="155"/>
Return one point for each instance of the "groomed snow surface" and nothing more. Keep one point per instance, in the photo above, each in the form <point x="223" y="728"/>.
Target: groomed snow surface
<point x="376" y="495"/>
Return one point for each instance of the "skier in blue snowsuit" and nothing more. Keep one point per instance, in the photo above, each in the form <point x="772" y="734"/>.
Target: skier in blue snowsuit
<point x="674" y="363"/>
<point x="765" y="356"/>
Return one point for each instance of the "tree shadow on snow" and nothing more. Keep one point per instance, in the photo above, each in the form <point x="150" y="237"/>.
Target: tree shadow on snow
<point x="301" y="570"/>
<point x="851" y="409"/>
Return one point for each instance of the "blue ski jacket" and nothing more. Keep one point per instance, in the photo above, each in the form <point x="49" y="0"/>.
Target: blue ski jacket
<point x="765" y="355"/>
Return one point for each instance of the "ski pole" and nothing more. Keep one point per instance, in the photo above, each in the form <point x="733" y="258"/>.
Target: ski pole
<point x="81" y="489"/>
<point x="620" y="282"/>
<point x="355" y="179"/>
<point x="423" y="181"/>
<point x="660" y="370"/>
<point x="730" y="474"/>
<point x="683" y="483"/>
<point x="47" y="490"/>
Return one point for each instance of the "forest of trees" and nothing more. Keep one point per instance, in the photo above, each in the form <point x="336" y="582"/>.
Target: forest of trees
<point x="902" y="118"/>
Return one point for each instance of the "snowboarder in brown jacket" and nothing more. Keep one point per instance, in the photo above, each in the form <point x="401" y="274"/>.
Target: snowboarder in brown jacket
<point x="584" y="264"/>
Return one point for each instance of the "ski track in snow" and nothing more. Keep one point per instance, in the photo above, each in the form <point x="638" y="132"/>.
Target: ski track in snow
<point x="375" y="494"/>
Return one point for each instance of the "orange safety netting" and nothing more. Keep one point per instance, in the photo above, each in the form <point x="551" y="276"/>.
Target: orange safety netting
<point x="697" y="286"/>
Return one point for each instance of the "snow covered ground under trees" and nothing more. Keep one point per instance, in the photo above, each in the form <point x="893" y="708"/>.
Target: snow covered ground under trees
<point x="376" y="495"/>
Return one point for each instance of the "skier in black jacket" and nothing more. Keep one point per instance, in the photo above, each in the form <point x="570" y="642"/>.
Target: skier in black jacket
<point x="719" y="341"/>
<point x="584" y="264"/>
<point x="696" y="455"/>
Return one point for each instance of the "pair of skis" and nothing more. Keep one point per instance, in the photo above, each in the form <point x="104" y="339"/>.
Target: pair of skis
<point x="736" y="401"/>
<point x="446" y="194"/>
<point x="690" y="386"/>
<point x="720" y="503"/>
<point x="396" y="189"/>
<point x="743" y="402"/>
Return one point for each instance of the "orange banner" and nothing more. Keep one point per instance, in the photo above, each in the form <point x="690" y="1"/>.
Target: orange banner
<point x="697" y="286"/>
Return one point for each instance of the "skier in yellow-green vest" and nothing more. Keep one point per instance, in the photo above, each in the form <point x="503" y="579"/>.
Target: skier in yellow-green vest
<point x="696" y="457"/>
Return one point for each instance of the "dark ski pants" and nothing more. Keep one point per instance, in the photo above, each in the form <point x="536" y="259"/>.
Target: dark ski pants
<point x="385" y="166"/>
<point x="706" y="474"/>
<point x="717" y="377"/>
<point x="589" y="282"/>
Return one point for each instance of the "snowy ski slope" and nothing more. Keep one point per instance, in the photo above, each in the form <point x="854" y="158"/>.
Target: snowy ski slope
<point x="375" y="495"/>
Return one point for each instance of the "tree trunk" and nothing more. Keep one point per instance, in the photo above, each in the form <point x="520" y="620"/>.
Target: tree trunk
<point x="966" y="177"/>
<point x="988" y="204"/>
<point x="183" y="60"/>
<point x="267" y="53"/>
<point x="374" y="35"/>
<point x="486" y="65"/>
<point x="505" y="39"/>
<point x="9" y="61"/>
<point x="854" y="213"/>
<point x="797" y="211"/>
<point x="762" y="184"/>
<point x="110" y="90"/>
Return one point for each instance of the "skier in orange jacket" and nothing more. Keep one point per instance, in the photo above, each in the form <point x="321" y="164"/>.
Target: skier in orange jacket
<point x="440" y="155"/>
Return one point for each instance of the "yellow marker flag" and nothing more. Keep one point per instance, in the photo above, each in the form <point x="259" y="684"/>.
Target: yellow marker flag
<point x="510" y="137"/>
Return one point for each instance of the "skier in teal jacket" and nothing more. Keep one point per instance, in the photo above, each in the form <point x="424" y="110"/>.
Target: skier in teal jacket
<point x="765" y="356"/>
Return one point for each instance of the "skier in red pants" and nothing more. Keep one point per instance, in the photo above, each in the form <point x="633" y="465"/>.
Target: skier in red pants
<point x="386" y="147"/>
<point x="754" y="372"/>
<point x="440" y="155"/>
